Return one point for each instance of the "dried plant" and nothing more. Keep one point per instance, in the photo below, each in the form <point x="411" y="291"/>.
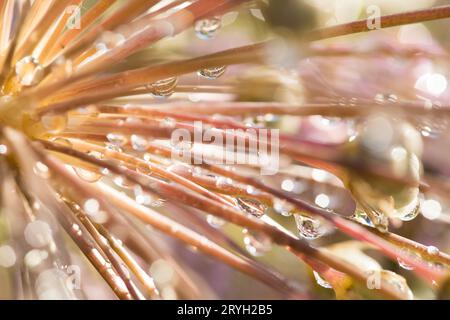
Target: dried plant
<point x="95" y="188"/>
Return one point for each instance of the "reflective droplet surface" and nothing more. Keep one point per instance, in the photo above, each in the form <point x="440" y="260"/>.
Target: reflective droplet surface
<point x="54" y="123"/>
<point x="41" y="170"/>
<point x="361" y="217"/>
<point x="214" y="221"/>
<point x="321" y="282"/>
<point x="139" y="143"/>
<point x="207" y="29"/>
<point x="111" y="39"/>
<point x="29" y="71"/>
<point x="116" y="139"/>
<point x="164" y="88"/>
<point x="87" y="175"/>
<point x="412" y="214"/>
<point x="412" y="255"/>
<point x="168" y="123"/>
<point x="308" y="227"/>
<point x="251" y="207"/>
<point x="212" y="73"/>
<point x="432" y="250"/>
<point x="257" y="244"/>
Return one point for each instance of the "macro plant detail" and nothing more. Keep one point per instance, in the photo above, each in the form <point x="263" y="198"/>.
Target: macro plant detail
<point x="213" y="149"/>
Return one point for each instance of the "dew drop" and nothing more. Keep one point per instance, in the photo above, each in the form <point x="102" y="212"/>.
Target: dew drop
<point x="412" y="255"/>
<point x="3" y="149"/>
<point x="223" y="182"/>
<point x="116" y="139"/>
<point x="432" y="250"/>
<point x="111" y="39"/>
<point x="168" y="123"/>
<point x="256" y="243"/>
<point x="54" y="123"/>
<point x="409" y="215"/>
<point x="321" y="282"/>
<point x="308" y="227"/>
<point x="251" y="207"/>
<point x="207" y="29"/>
<point x="87" y="175"/>
<point x="397" y="282"/>
<point x="139" y="143"/>
<point x="212" y="73"/>
<point x="214" y="221"/>
<point x="122" y="182"/>
<point x="164" y="88"/>
<point x="29" y="71"/>
<point x="361" y="217"/>
<point x="41" y="170"/>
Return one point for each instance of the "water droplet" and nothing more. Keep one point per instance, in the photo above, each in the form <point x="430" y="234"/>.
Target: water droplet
<point x="308" y="227"/>
<point x="41" y="170"/>
<point x="111" y="39"/>
<point x="3" y="149"/>
<point x="139" y="143"/>
<point x="408" y="215"/>
<point x="257" y="243"/>
<point x="168" y="123"/>
<point x="214" y="221"/>
<point x="207" y="29"/>
<point x="321" y="282"/>
<point x="383" y="98"/>
<point x="283" y="207"/>
<point x="122" y="182"/>
<point x="164" y="88"/>
<point x="361" y="217"/>
<point x="29" y="71"/>
<point x="142" y="197"/>
<point x="412" y="255"/>
<point x="397" y="282"/>
<point x="54" y="123"/>
<point x="87" y="175"/>
<point x="251" y="207"/>
<point x="212" y="73"/>
<point x="432" y="250"/>
<point x="116" y="139"/>
<point x="222" y="182"/>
